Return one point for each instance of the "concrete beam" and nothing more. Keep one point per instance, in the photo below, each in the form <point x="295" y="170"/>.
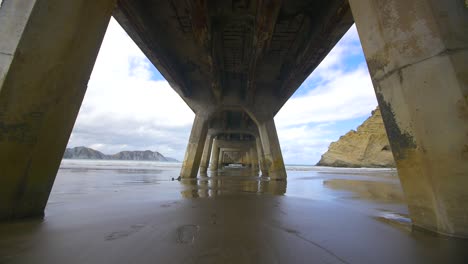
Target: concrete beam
<point x="217" y="55"/>
<point x="47" y="52"/>
<point x="267" y="14"/>
<point x="235" y="144"/>
<point x="416" y="51"/>
<point x="195" y="146"/>
<point x="217" y="131"/>
<point x="137" y="27"/>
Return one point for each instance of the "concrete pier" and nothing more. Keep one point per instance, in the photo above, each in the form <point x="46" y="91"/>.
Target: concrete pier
<point x="194" y="151"/>
<point x="236" y="63"/>
<point x="417" y="55"/>
<point x="205" y="161"/>
<point x="247" y="162"/>
<point x="47" y="52"/>
<point x="236" y="132"/>
<point x="261" y="157"/>
<point x="254" y="157"/>
<point x="214" y="156"/>
<point x="221" y="158"/>
<point x="241" y="150"/>
<point x="272" y="150"/>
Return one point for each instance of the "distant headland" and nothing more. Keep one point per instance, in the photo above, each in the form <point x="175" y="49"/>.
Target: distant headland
<point x="89" y="153"/>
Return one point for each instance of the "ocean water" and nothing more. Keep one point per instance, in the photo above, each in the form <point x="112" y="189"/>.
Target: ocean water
<point x="374" y="191"/>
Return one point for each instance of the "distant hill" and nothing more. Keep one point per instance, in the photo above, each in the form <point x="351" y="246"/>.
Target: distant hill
<point x="83" y="153"/>
<point x="366" y="147"/>
<point x="89" y="153"/>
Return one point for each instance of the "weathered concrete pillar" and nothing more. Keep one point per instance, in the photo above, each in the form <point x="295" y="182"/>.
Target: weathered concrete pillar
<point x="272" y="150"/>
<point x="195" y="146"/>
<point x="254" y="157"/>
<point x="247" y="159"/>
<point x="261" y="157"/>
<point x="47" y="52"/>
<point x="416" y="51"/>
<point x="214" y="156"/>
<point x="220" y="159"/>
<point x="205" y="161"/>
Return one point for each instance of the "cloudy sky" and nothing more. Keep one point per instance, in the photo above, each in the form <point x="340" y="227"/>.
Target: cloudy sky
<point x="129" y="105"/>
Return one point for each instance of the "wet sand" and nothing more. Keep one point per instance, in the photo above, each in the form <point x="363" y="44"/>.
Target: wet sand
<point x="132" y="212"/>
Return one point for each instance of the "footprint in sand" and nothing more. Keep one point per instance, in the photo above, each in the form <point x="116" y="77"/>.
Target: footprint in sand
<point x="186" y="233"/>
<point x="125" y="233"/>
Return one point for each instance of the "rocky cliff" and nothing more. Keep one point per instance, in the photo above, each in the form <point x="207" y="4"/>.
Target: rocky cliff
<point x="88" y="153"/>
<point x="366" y="147"/>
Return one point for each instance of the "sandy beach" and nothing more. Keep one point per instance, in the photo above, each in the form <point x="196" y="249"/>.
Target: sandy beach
<point x="133" y="212"/>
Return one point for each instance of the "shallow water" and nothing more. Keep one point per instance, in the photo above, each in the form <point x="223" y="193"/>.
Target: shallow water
<point x="135" y="212"/>
<point x="372" y="190"/>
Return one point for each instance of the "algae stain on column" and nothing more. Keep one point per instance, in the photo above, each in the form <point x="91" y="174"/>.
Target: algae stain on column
<point x="400" y="141"/>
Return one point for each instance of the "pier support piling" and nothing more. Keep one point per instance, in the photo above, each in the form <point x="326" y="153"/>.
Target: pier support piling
<point x="416" y="51"/>
<point x="261" y="157"/>
<point x="272" y="150"/>
<point x="214" y="156"/>
<point x="47" y="52"/>
<point x="195" y="146"/>
<point x="205" y="161"/>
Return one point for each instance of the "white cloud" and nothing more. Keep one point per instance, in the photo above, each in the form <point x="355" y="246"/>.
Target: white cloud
<point x="124" y="108"/>
<point x="347" y="96"/>
<point x="300" y="144"/>
<point x="334" y="93"/>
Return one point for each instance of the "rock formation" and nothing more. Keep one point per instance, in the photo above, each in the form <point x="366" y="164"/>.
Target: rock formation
<point x="366" y="147"/>
<point x="88" y="153"/>
<point x="83" y="153"/>
<point x="138" y="155"/>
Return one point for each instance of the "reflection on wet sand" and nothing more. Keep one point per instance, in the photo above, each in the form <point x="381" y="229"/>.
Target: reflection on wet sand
<point x="381" y="191"/>
<point x="386" y="190"/>
<point x="233" y="216"/>
<point x="228" y="182"/>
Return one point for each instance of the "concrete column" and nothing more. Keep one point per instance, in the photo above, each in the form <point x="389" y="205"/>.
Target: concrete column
<point x="416" y="51"/>
<point x="254" y="157"/>
<point x="215" y="156"/>
<point x="272" y="150"/>
<point x="248" y="160"/>
<point x="261" y="157"/>
<point x="47" y="52"/>
<point x="220" y="159"/>
<point x="205" y="161"/>
<point x="195" y="146"/>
